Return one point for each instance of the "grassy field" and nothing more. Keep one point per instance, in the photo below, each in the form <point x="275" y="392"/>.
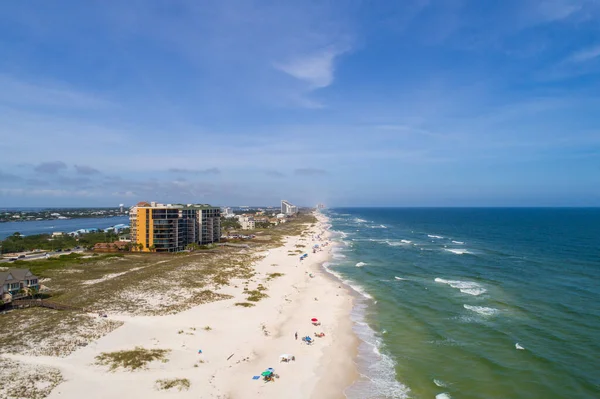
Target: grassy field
<point x="25" y="381"/>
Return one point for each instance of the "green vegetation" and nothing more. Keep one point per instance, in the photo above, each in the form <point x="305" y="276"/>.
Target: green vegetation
<point x="230" y="224"/>
<point x="179" y="383"/>
<point x="255" y="295"/>
<point x="244" y="304"/>
<point x="131" y="359"/>
<point x="271" y="276"/>
<point x="20" y="243"/>
<point x="40" y="267"/>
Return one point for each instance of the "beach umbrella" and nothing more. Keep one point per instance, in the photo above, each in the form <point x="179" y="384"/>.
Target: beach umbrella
<point x="314" y="320"/>
<point x="266" y="373"/>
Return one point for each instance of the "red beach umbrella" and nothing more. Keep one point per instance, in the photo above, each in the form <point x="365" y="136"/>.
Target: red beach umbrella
<point x="314" y="320"/>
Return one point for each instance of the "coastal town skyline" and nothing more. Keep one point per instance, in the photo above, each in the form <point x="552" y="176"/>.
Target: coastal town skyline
<point x="410" y="103"/>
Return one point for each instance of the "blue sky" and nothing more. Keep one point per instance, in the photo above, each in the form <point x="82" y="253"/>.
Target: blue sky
<point x="352" y="103"/>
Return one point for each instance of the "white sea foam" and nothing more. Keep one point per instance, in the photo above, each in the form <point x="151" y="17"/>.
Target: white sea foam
<point x="519" y="347"/>
<point x="482" y="310"/>
<point x="376" y="368"/>
<point x="466" y="287"/>
<point x="359" y="220"/>
<point x="457" y="251"/>
<point x="433" y="236"/>
<point x="394" y="243"/>
<point x="405" y="241"/>
<point x="361" y="264"/>
<point x="399" y="278"/>
<point x="349" y="283"/>
<point x="444" y="395"/>
<point x="338" y="256"/>
<point x="458" y="242"/>
<point x="440" y="383"/>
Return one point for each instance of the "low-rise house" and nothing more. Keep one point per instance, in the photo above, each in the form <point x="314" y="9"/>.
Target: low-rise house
<point x="16" y="283"/>
<point x="247" y="222"/>
<point x="112" y="246"/>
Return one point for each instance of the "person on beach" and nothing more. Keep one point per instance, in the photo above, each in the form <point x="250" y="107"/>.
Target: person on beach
<point x="296" y="335"/>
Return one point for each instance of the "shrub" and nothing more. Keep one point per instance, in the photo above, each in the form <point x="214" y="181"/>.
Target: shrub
<point x="131" y="359"/>
<point x="179" y="383"/>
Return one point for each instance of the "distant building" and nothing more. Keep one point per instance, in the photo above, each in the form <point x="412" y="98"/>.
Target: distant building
<point x="287" y="208"/>
<point x="57" y="234"/>
<point x="227" y="212"/>
<point x="320" y="206"/>
<point x="170" y="228"/>
<point x="125" y="238"/>
<point x="247" y="222"/>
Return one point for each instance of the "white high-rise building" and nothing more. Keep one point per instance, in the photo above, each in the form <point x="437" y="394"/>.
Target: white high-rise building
<point x="287" y="208"/>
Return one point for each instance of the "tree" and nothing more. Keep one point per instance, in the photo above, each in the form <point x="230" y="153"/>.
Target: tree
<point x="152" y="248"/>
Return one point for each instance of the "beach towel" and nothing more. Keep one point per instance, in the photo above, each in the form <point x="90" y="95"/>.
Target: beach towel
<point x="256" y="377"/>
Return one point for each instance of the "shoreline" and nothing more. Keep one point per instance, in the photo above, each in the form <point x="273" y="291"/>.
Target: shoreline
<point x="237" y="343"/>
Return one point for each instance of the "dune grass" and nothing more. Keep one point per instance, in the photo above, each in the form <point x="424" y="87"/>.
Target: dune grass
<point x="131" y="359"/>
<point x="179" y="383"/>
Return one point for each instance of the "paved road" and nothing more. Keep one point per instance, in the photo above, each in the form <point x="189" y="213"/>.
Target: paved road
<point x="43" y="255"/>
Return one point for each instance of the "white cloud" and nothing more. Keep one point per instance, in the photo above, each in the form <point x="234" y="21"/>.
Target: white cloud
<point x="316" y="69"/>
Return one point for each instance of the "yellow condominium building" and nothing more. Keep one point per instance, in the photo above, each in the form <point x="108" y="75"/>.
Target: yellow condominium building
<point x="171" y="227"/>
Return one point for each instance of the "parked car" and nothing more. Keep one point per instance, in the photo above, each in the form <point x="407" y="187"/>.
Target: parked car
<point x="21" y="256"/>
<point x="58" y="250"/>
<point x="11" y="259"/>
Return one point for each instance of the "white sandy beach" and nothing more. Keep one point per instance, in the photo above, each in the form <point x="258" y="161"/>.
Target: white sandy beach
<point x="241" y="343"/>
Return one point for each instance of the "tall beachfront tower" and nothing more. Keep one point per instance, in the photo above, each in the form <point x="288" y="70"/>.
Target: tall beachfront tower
<point x="287" y="208"/>
<point x="170" y="228"/>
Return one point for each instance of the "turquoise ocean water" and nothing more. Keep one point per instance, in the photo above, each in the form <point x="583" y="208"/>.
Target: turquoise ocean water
<point x="473" y="303"/>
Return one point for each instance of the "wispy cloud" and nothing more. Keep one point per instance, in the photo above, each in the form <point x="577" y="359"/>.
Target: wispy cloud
<point x="585" y="55"/>
<point x="209" y="171"/>
<point x="310" y="172"/>
<point x="21" y="92"/>
<point x="86" y="170"/>
<point x="50" y="167"/>
<point x="316" y="69"/>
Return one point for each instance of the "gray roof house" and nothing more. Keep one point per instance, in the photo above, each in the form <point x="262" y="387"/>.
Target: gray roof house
<point x="15" y="280"/>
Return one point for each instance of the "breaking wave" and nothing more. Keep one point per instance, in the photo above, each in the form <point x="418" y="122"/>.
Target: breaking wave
<point x="457" y="251"/>
<point x="466" y="287"/>
<point x="482" y="310"/>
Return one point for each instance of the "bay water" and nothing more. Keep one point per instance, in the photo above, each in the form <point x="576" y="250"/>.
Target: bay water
<point x="58" y="225"/>
<point x="472" y="303"/>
